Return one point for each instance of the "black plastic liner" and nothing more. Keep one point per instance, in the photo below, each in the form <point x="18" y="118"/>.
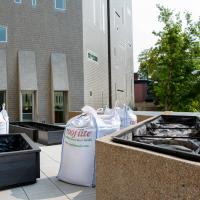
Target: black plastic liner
<point x="174" y="135"/>
<point x="10" y="143"/>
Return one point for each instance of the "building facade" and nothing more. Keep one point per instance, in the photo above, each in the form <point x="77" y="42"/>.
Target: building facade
<point x="121" y="51"/>
<point x="54" y="56"/>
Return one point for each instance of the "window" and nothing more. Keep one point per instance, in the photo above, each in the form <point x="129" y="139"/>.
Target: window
<point x="60" y="4"/>
<point x="123" y="16"/>
<point x="115" y="51"/>
<point x="59" y="106"/>
<point x="18" y="1"/>
<point x="94" y="11"/>
<point x="2" y="98"/>
<point x="34" y="3"/>
<point x="3" y="34"/>
<point x="128" y="11"/>
<point x="103" y="17"/>
<point x="27" y="106"/>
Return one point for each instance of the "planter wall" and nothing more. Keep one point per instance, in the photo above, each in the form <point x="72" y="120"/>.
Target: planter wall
<point x="19" y="161"/>
<point x="127" y="172"/>
<point x="43" y="133"/>
<point x="30" y="132"/>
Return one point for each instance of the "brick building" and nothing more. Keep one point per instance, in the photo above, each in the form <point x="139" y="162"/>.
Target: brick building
<point x="58" y="55"/>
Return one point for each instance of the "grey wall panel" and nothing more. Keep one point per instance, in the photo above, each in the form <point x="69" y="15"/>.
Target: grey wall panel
<point x="95" y="40"/>
<point x="121" y="51"/>
<point x="27" y="70"/>
<point x="3" y="70"/>
<point x="59" y="72"/>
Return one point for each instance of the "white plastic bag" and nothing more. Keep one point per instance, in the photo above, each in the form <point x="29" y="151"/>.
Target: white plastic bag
<point x="4" y="121"/>
<point x="78" y="145"/>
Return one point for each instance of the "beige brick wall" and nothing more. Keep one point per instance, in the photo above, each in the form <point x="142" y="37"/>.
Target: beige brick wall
<point x="43" y="30"/>
<point x="73" y="32"/>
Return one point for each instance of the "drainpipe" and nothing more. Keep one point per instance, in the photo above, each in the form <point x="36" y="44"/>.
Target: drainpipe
<point x="109" y="57"/>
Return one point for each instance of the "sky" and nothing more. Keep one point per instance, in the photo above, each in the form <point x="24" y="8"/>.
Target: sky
<point x="145" y="15"/>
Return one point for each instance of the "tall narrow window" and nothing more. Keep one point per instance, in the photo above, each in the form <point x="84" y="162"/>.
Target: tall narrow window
<point x="34" y="3"/>
<point x="128" y="11"/>
<point x="27" y="106"/>
<point x="2" y="98"/>
<point x="103" y="17"/>
<point x="18" y="1"/>
<point x="60" y="4"/>
<point x="59" y="106"/>
<point x="94" y="12"/>
<point x="3" y="34"/>
<point x="123" y="16"/>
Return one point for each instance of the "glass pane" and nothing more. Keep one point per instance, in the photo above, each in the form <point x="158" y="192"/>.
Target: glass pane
<point x="27" y="116"/>
<point x="27" y="107"/>
<point x="2" y="34"/>
<point x="60" y="4"/>
<point x="2" y="99"/>
<point x="59" y="107"/>
<point x="18" y="1"/>
<point x="34" y="2"/>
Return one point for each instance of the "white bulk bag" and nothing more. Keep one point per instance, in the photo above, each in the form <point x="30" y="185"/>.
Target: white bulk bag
<point x="108" y="123"/>
<point x="4" y="121"/>
<point x="126" y="115"/>
<point x="78" y="147"/>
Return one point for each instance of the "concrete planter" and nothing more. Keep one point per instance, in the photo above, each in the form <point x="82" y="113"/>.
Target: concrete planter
<point x="127" y="172"/>
<point x="43" y="133"/>
<point x="19" y="161"/>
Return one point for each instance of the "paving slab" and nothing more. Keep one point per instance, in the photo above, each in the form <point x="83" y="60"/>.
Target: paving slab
<point x="13" y="194"/>
<point x="48" y="187"/>
<point x="73" y="191"/>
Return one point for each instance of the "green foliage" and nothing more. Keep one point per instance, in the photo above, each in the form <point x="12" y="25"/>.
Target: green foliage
<point x="171" y="61"/>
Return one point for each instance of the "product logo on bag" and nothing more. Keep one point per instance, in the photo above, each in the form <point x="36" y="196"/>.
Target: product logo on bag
<point x="78" y="137"/>
<point x="80" y="133"/>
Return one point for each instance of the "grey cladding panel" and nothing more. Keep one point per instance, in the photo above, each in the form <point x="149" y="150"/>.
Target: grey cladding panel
<point x="27" y="70"/>
<point x="60" y="81"/>
<point x="3" y="70"/>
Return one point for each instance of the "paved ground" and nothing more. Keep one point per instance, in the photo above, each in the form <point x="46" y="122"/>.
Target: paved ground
<point x="48" y="187"/>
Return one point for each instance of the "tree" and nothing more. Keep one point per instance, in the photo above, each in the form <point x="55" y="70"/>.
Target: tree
<point x="171" y="61"/>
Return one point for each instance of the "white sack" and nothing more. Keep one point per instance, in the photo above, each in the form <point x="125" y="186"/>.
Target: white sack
<point x="4" y="121"/>
<point x="126" y="115"/>
<point x="78" y="146"/>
